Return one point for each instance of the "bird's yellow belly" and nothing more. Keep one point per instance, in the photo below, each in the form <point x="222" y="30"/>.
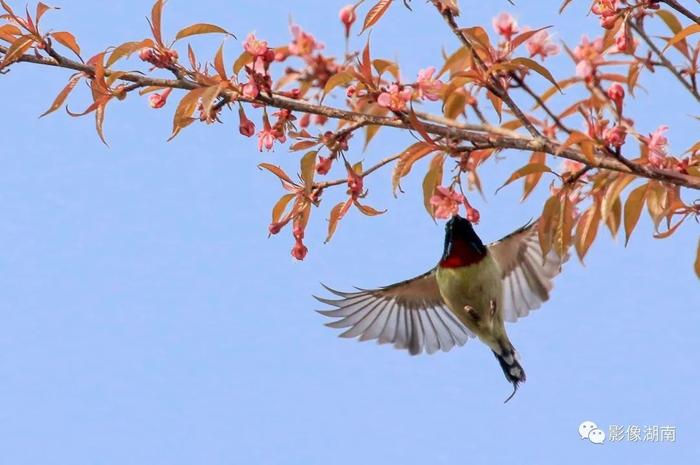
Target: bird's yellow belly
<point x="473" y="293"/>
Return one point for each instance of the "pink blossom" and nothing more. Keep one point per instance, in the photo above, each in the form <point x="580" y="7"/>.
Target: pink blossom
<point x="323" y="166"/>
<point x="355" y="184"/>
<point x="505" y="25"/>
<point x="617" y="94"/>
<point x="246" y="126"/>
<point x="428" y="86"/>
<point x="159" y="100"/>
<point x="588" y="56"/>
<point x="473" y="215"/>
<point x="571" y="166"/>
<point x="624" y="42"/>
<point x="607" y="10"/>
<point x="255" y="46"/>
<point x="615" y="136"/>
<point x="303" y="43"/>
<point x="347" y="16"/>
<point x="251" y="91"/>
<point x="541" y="44"/>
<point x="656" y="143"/>
<point x="299" y="250"/>
<point x="395" y="98"/>
<point x="266" y="138"/>
<point x="446" y="202"/>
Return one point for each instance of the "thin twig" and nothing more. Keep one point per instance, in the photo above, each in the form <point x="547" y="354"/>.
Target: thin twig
<point x="666" y="63"/>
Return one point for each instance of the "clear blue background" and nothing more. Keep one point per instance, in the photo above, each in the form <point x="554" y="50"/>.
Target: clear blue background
<point x="146" y="318"/>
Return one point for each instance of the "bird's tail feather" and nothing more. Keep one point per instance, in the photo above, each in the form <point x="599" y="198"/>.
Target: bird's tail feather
<point x="508" y="360"/>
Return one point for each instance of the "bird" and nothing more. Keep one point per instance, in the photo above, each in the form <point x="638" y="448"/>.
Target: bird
<point x="470" y="293"/>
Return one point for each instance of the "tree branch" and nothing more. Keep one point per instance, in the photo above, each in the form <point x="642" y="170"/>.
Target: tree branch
<point x="483" y="136"/>
<point x="682" y="10"/>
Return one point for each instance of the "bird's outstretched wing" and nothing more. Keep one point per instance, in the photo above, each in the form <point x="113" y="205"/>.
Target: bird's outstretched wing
<point x="410" y="314"/>
<point x="527" y="278"/>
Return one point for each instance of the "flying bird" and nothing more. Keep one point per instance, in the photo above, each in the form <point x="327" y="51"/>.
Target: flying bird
<point x="472" y="290"/>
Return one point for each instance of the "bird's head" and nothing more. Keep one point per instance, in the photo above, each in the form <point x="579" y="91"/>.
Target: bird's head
<point x="462" y="245"/>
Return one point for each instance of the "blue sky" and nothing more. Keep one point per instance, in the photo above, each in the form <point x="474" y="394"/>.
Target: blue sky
<point x="148" y="319"/>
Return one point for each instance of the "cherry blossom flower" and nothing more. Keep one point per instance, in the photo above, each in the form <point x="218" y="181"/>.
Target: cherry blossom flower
<point x="615" y="136"/>
<point x="323" y="166"/>
<point x="505" y="25"/>
<point x="251" y="91"/>
<point x="303" y="43"/>
<point x="347" y="16"/>
<point x="428" y="86"/>
<point x="395" y="98"/>
<point x="246" y="126"/>
<point x="607" y="10"/>
<point x="541" y="44"/>
<point x="159" y="100"/>
<point x="656" y="143"/>
<point x="588" y="56"/>
<point x="570" y="166"/>
<point x="617" y="94"/>
<point x="255" y="46"/>
<point x="355" y="184"/>
<point x="473" y="214"/>
<point x="299" y="250"/>
<point x="446" y="202"/>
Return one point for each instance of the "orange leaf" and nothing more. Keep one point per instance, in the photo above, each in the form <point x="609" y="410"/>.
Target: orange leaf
<point x="219" y="63"/>
<point x="126" y="49"/>
<point x="280" y="206"/>
<point x="339" y="79"/>
<point x="277" y="171"/>
<point x="68" y="40"/>
<point x="201" y="28"/>
<point x="63" y="94"/>
<point x="184" y="110"/>
<point x="156" y="15"/>
<point x="432" y="179"/>
<point x="367" y="210"/>
<point x="41" y="8"/>
<point x="526" y="170"/>
<point x="532" y="180"/>
<point x="17" y="49"/>
<point x="587" y="230"/>
<point x="307" y="168"/>
<point x="692" y="29"/>
<point x="536" y="67"/>
<point x="633" y="209"/>
<point x="336" y="214"/>
<point x="241" y="61"/>
<point x="375" y="13"/>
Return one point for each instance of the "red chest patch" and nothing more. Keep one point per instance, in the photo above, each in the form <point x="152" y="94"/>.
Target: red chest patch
<point x="462" y="253"/>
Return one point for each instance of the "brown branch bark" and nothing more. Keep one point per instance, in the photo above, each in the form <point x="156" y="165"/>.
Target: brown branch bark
<point x="475" y="134"/>
<point x="682" y="10"/>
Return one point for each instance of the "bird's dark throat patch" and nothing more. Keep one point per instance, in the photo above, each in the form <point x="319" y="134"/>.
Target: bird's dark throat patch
<point x="462" y="245"/>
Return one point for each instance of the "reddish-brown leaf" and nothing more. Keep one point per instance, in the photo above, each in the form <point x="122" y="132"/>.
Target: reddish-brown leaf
<point x="633" y="209"/>
<point x="375" y="13"/>
<point x="126" y="49"/>
<point x="433" y="178"/>
<point x="17" y="49"/>
<point x="697" y="261"/>
<point x="336" y="215"/>
<point x="281" y="206"/>
<point x="68" y="40"/>
<point x="307" y="168"/>
<point x="586" y="230"/>
<point x="184" y="110"/>
<point x="532" y="168"/>
<point x="339" y="79"/>
<point x="367" y="210"/>
<point x="277" y="171"/>
<point x="156" y="15"/>
<point x="533" y="179"/>
<point x="61" y="97"/>
<point x="219" y="63"/>
<point x="241" y="61"/>
<point x="201" y="28"/>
